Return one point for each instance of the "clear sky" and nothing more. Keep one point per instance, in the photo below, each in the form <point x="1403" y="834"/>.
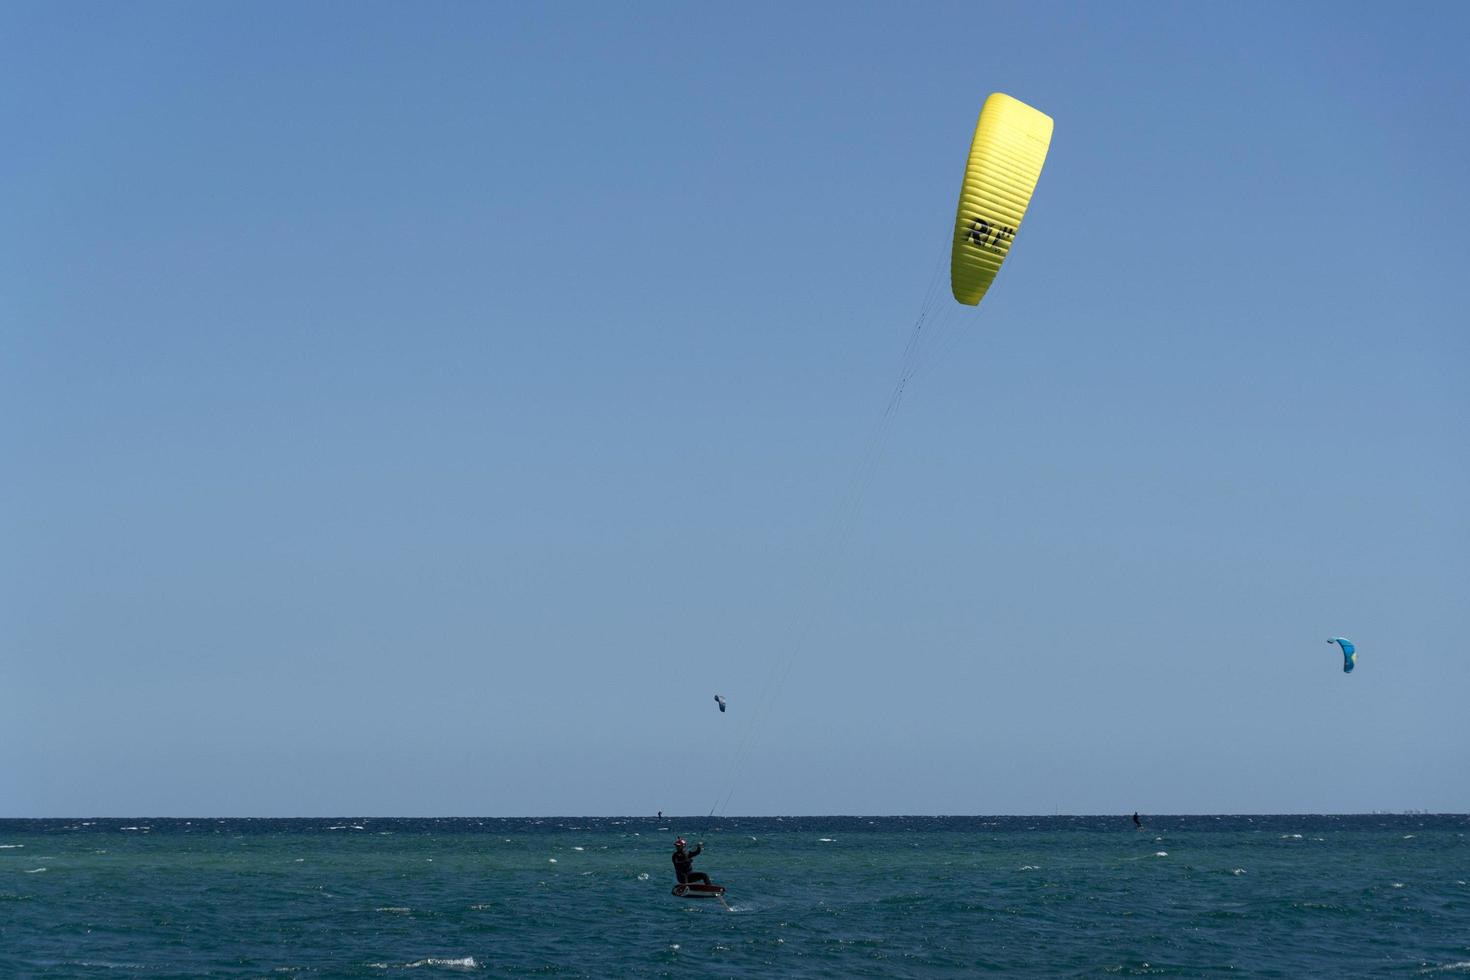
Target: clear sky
<point x="425" y="409"/>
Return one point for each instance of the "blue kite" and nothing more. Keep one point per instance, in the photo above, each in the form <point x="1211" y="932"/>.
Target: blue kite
<point x="1349" y="653"/>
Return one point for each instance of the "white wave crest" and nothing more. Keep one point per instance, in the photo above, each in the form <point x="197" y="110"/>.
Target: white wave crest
<point x="462" y="963"/>
<point x="105" y="965"/>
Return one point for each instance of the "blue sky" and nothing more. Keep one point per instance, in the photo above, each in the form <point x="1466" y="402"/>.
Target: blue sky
<point x="425" y="409"/>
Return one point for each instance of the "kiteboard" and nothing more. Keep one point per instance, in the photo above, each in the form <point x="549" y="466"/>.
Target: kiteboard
<point x="696" y="889"/>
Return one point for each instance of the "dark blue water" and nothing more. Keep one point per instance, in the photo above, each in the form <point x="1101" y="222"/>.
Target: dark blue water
<point x="1286" y="896"/>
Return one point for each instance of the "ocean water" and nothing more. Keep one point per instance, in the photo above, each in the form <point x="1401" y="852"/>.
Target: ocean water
<point x="1284" y="896"/>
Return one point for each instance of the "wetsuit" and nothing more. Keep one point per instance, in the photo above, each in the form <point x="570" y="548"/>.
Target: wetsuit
<point x="684" y="865"/>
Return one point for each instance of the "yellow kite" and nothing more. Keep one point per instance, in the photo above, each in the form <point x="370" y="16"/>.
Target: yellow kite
<point x="1006" y="155"/>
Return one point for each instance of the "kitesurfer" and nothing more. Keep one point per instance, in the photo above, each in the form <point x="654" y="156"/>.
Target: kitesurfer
<point x="684" y="863"/>
<point x="1136" y="822"/>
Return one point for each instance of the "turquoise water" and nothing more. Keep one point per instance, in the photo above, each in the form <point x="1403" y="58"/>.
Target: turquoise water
<point x="1285" y="896"/>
